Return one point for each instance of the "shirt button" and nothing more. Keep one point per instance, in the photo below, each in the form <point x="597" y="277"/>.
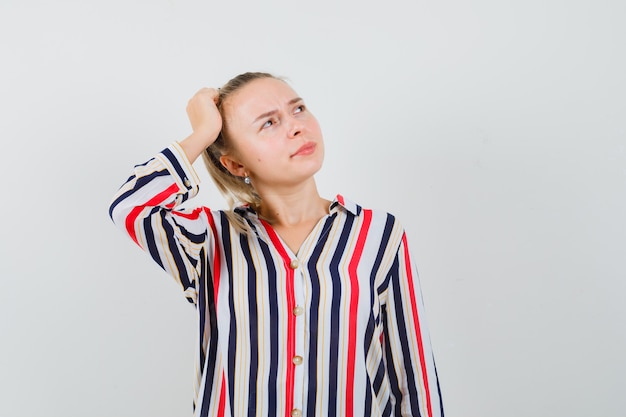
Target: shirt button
<point x="297" y="360"/>
<point x="296" y="413"/>
<point x="297" y="310"/>
<point x="294" y="264"/>
<point x="187" y="183"/>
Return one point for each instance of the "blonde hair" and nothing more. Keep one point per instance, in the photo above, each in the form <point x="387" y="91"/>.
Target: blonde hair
<point x="233" y="188"/>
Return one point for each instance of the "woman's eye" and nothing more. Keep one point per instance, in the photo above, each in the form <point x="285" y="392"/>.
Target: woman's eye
<point x="269" y="123"/>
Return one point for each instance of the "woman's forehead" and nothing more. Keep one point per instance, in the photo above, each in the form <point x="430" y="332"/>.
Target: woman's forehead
<point x="260" y="96"/>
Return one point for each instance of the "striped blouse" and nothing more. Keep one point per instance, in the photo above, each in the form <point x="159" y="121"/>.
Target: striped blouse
<point x="336" y="329"/>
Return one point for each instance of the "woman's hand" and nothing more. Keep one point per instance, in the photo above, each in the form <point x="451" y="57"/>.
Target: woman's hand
<point x="206" y="122"/>
<point x="203" y="114"/>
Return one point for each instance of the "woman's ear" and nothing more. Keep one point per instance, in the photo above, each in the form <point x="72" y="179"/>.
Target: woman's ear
<point x="233" y="166"/>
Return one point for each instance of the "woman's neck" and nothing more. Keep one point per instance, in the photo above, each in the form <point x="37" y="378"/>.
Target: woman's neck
<point x="292" y="207"/>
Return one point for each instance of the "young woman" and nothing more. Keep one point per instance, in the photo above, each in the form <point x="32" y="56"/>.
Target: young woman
<point x="306" y="307"/>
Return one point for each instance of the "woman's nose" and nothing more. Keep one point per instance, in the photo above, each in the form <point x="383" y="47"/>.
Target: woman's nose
<point x="295" y="128"/>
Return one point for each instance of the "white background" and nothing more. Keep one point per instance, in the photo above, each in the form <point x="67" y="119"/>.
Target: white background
<point x="494" y="129"/>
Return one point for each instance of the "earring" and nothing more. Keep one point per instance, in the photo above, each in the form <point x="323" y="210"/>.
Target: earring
<point x="246" y="180"/>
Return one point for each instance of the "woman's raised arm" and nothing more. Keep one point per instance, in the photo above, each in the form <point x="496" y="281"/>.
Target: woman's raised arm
<point x="206" y="122"/>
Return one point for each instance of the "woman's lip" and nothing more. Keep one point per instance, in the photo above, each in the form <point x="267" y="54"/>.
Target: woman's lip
<point x="305" y="149"/>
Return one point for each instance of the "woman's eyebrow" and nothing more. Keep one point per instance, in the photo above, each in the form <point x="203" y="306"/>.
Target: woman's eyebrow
<point x="272" y="112"/>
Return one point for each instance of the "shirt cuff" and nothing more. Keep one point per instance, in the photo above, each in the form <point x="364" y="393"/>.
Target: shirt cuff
<point x="177" y="163"/>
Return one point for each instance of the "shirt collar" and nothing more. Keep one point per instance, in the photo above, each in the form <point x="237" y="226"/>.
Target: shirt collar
<point x="339" y="203"/>
<point x="349" y="206"/>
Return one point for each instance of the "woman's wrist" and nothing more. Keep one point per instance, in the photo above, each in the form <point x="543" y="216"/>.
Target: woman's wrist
<point x="196" y="143"/>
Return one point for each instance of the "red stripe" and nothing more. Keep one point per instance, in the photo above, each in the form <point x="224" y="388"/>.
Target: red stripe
<point x="354" y="304"/>
<point x="291" y="319"/>
<point x="154" y="201"/>
<point x="216" y="285"/>
<point x="216" y="257"/>
<point x="194" y="215"/>
<point x="191" y="216"/>
<point x="418" y="333"/>
<point x="222" y="404"/>
<point x="340" y="200"/>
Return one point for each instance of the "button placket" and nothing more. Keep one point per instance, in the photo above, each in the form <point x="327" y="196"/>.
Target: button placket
<point x="294" y="263"/>
<point x="297" y="360"/>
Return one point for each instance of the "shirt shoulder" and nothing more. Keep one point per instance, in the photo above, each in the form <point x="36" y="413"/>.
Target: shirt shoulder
<point x="356" y="209"/>
<point x="380" y="222"/>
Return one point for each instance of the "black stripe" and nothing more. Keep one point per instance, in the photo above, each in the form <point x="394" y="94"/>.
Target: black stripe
<point x="394" y="386"/>
<point x="232" y="331"/>
<point x="274" y="319"/>
<point x="368" y="398"/>
<point x="387" y="411"/>
<point x="402" y="333"/>
<point x="174" y="249"/>
<point x="150" y="241"/>
<point x="195" y="238"/>
<point x="379" y="378"/>
<point x="314" y="314"/>
<point x="174" y="161"/>
<point x="438" y="390"/>
<point x="145" y="163"/>
<point x="206" y="302"/>
<point x="334" y="313"/>
<point x="253" y="317"/>
<point x="202" y="302"/>
<point x="373" y="321"/>
<point x="140" y="183"/>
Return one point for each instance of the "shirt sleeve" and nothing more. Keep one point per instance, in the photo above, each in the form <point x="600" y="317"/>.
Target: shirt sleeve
<point x="145" y="208"/>
<point x="408" y="353"/>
